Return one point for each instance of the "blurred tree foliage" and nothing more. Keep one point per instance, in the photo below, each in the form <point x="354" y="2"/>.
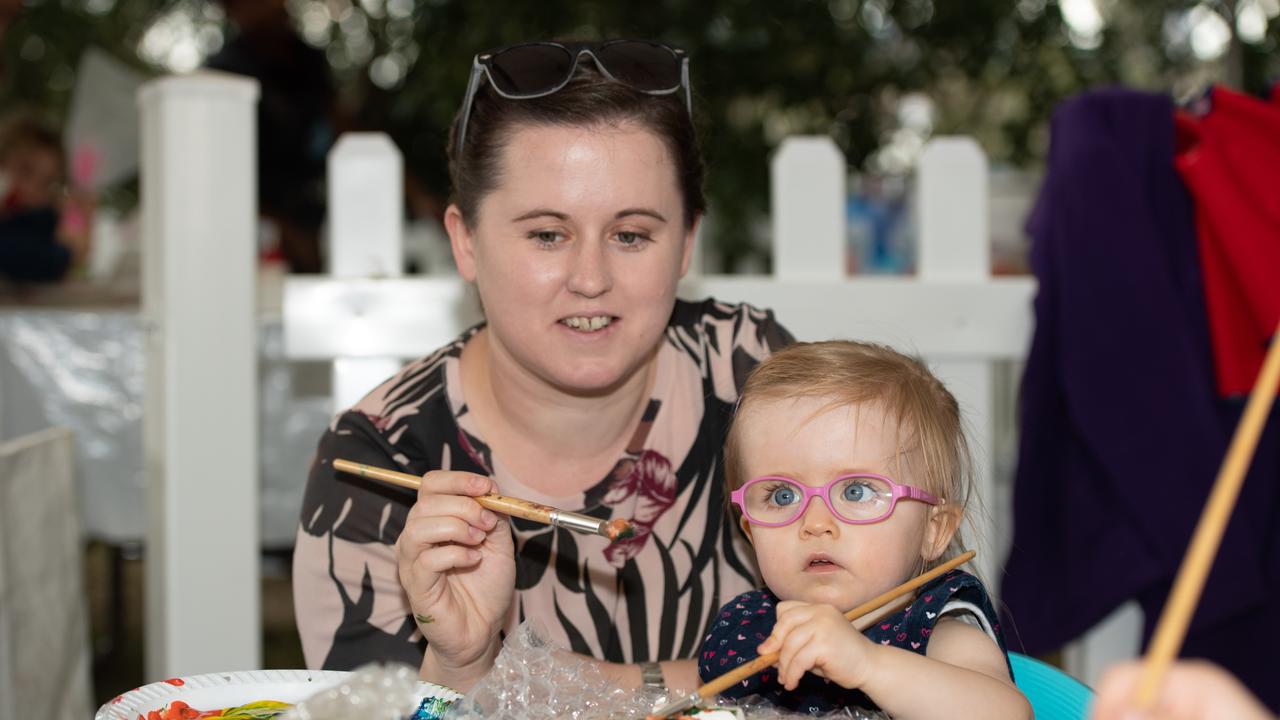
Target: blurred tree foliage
<point x="762" y="69"/>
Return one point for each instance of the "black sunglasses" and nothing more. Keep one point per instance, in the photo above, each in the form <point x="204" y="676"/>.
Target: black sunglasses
<point x="533" y="70"/>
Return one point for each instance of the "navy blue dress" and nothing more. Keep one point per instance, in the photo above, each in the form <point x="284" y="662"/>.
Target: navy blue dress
<point x="749" y="618"/>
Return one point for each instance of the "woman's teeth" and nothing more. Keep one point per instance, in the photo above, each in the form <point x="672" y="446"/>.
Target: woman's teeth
<point x="588" y="324"/>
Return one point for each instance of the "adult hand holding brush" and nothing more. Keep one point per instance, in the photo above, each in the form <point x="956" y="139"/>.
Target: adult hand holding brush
<point x="457" y="566"/>
<point x="457" y="562"/>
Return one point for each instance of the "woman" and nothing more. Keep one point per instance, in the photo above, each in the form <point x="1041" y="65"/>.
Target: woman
<point x="578" y="191"/>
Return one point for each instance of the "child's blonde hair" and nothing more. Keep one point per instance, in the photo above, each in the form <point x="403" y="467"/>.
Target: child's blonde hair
<point x="929" y="428"/>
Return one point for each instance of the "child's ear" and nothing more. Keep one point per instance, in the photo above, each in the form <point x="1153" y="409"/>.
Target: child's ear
<point x="944" y="520"/>
<point x="746" y="529"/>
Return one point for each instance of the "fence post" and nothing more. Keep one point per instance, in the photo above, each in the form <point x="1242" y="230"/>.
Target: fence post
<point x="200" y="425"/>
<point x="808" y="179"/>
<point x="951" y="207"/>
<point x="366" y="239"/>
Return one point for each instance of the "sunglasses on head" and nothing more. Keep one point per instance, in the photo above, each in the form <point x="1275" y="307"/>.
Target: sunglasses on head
<point x="533" y="70"/>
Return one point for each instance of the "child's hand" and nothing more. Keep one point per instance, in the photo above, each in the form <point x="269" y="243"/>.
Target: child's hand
<point x="815" y="637"/>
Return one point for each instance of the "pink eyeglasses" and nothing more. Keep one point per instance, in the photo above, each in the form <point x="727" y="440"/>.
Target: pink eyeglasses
<point x="858" y="499"/>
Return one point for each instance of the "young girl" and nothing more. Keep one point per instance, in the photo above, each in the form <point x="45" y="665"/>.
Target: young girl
<point x="849" y="472"/>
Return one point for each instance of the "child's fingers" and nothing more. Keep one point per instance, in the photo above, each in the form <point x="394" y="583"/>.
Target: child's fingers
<point x="792" y="647"/>
<point x="770" y="644"/>
<point x="806" y="659"/>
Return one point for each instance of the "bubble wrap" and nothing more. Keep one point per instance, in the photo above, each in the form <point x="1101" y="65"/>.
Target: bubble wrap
<point x="532" y="679"/>
<point x="373" y="692"/>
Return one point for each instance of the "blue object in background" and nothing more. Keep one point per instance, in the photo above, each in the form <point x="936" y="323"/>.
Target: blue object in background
<point x="1053" y="694"/>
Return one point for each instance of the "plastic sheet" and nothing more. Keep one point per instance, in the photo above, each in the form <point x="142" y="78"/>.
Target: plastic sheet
<point x="536" y="680"/>
<point x="373" y="692"/>
<point x="85" y="370"/>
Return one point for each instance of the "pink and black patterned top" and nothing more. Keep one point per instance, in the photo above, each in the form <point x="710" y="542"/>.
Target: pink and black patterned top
<point x="650" y="597"/>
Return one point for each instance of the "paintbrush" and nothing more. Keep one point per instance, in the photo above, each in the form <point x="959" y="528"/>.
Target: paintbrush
<point x="613" y="530"/>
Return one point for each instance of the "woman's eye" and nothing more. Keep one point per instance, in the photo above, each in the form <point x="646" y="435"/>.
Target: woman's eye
<point x="545" y="237"/>
<point x="783" y="496"/>
<point x="627" y="237"/>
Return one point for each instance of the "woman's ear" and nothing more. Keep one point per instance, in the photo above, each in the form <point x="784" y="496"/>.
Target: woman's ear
<point x="461" y="242"/>
<point x="746" y="529"/>
<point x="690" y="240"/>
<point x="943" y="522"/>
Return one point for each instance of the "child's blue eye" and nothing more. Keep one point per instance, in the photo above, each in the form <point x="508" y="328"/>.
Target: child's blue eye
<point x="858" y="492"/>
<point x="783" y="496"/>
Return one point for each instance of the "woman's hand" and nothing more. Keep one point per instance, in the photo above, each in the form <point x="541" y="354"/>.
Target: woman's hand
<point x="1191" y="690"/>
<point x="817" y="638"/>
<point x="457" y="566"/>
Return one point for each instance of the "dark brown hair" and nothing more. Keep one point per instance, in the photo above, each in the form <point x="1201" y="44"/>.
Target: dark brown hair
<point x="589" y="100"/>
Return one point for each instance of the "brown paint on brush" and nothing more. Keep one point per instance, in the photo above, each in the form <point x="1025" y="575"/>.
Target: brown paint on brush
<point x="618" y="529"/>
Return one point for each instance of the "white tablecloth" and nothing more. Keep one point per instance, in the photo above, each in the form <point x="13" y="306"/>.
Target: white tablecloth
<point x="83" y="369"/>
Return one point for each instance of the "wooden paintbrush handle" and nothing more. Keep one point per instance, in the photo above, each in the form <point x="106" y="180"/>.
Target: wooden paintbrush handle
<point x="515" y="507"/>
<point x="405" y="480"/>
<point x="1189" y="583"/>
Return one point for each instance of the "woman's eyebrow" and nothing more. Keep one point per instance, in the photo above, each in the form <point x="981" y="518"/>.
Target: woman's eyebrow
<point x="640" y="211"/>
<point x="541" y="212"/>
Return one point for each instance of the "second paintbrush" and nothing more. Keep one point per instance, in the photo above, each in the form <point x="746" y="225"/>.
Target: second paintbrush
<point x="613" y="530"/>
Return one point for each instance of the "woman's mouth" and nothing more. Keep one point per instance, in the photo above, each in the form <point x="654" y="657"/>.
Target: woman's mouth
<point x="587" y="323"/>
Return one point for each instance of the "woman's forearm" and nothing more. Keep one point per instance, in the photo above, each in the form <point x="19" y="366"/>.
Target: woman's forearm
<point x="677" y="675"/>
<point x="456" y="677"/>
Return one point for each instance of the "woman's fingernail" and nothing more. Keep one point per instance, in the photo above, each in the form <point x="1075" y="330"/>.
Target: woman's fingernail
<point x="476" y="534"/>
<point x="478" y="483"/>
<point x="488" y="518"/>
<point x="473" y="555"/>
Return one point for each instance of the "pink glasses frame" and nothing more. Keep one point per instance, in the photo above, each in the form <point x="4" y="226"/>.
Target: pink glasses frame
<point x="900" y="492"/>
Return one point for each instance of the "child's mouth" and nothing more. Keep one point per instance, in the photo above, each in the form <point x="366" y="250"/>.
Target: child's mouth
<point x="821" y="564"/>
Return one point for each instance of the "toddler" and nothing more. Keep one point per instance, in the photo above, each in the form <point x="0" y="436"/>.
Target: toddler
<point x="849" y="473"/>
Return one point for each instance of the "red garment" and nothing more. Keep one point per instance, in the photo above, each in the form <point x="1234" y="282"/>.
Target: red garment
<point x="1230" y="162"/>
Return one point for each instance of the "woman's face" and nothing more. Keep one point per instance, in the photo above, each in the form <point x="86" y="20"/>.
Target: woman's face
<point x="577" y="251"/>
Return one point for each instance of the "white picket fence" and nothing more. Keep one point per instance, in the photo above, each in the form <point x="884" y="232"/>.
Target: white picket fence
<point x="366" y="318"/>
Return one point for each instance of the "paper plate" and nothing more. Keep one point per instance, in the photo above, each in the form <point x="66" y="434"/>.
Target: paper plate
<point x="230" y="689"/>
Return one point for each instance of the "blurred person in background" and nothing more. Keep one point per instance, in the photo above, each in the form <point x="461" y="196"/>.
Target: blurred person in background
<point x="298" y="120"/>
<point x="44" y="233"/>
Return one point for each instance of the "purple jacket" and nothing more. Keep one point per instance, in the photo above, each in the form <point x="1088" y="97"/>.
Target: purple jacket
<point x="1122" y="433"/>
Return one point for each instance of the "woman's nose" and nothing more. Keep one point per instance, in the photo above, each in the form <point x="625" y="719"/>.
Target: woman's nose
<point x="589" y="274"/>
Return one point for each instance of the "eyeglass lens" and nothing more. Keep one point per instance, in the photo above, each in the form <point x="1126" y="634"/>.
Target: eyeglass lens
<point x="645" y="66"/>
<point x="539" y="68"/>
<point x="854" y="498"/>
<point x="530" y="69"/>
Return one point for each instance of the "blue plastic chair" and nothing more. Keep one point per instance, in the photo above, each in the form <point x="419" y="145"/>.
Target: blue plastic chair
<point x="1054" y="695"/>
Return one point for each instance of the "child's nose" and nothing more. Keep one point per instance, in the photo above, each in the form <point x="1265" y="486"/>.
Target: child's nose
<point x="818" y="520"/>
